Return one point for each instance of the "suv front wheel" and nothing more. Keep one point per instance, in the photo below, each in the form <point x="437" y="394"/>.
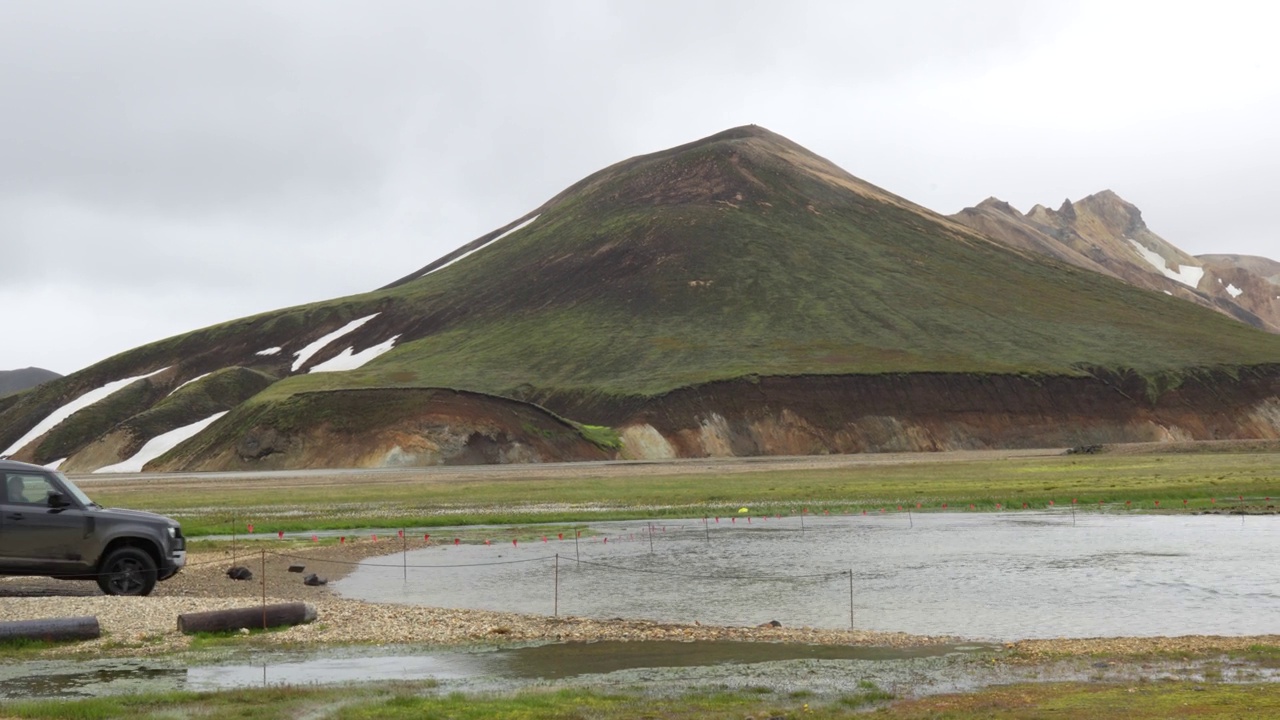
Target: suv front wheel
<point x="127" y="571"/>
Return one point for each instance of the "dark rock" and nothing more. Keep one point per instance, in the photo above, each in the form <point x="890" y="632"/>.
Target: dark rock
<point x="240" y="572"/>
<point x="771" y="623"/>
<point x="314" y="580"/>
<point x="260" y="442"/>
<point x="297" y="568"/>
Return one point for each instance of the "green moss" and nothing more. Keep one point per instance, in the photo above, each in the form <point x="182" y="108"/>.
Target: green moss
<point x="83" y="427"/>
<point x="219" y="392"/>
<point x="605" y="438"/>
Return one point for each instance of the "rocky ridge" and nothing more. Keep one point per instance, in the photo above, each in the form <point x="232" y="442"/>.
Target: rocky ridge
<point x="1106" y="234"/>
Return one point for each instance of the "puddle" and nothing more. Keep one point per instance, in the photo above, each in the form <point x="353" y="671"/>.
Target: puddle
<point x="551" y="662"/>
<point x="1001" y="576"/>
<point x="333" y="670"/>
<point x="62" y="679"/>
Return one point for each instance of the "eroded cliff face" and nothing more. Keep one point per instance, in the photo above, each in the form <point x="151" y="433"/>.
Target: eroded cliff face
<point x="808" y="415"/>
<point x="933" y="412"/>
<point x="386" y="428"/>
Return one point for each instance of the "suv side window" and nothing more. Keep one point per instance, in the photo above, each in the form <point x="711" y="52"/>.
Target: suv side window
<point x="27" y="489"/>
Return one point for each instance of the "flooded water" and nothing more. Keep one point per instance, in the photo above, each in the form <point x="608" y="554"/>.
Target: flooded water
<point x="479" y="669"/>
<point x="997" y="576"/>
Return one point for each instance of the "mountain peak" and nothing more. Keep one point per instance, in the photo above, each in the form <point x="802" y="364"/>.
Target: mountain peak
<point x="1067" y="210"/>
<point x="998" y="205"/>
<point x="1121" y="215"/>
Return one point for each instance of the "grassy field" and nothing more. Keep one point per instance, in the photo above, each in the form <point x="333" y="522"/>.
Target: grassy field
<point x="469" y="497"/>
<point x="1097" y="701"/>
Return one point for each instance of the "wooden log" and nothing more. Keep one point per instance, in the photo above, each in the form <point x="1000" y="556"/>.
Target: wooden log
<point x="258" y="616"/>
<point x="70" y="628"/>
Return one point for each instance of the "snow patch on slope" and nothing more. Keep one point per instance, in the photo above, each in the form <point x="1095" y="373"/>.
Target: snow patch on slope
<point x="56" y="464"/>
<point x="54" y="418"/>
<point x="269" y="351"/>
<point x="1234" y="291"/>
<point x="521" y="226"/>
<point x="1188" y="275"/>
<point x="346" y="360"/>
<point x="305" y="353"/>
<point x="159" y="445"/>
<point x="194" y="379"/>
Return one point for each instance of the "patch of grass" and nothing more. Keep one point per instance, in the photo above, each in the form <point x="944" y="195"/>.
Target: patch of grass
<point x="18" y="648"/>
<point x="1267" y="656"/>
<point x="604" y="437"/>
<point x="208" y="640"/>
<point x="1138" y="701"/>
<point x="425" y="501"/>
<point x="255" y="704"/>
<point x="416" y="700"/>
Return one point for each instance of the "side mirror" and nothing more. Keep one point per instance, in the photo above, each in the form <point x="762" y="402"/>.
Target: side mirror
<point x="57" y="500"/>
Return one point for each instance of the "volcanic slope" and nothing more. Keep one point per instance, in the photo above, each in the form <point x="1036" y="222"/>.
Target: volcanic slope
<point x="1106" y="234"/>
<point x="736" y="295"/>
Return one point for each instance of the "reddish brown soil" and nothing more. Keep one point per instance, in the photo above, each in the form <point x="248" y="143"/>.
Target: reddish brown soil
<point x="937" y="411"/>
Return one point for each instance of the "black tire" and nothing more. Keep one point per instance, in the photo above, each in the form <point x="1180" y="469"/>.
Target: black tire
<point x="127" y="571"/>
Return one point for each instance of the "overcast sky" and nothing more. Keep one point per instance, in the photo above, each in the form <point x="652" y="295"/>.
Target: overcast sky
<point x="165" y="166"/>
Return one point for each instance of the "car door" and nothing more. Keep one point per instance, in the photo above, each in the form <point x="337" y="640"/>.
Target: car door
<point x="35" y="534"/>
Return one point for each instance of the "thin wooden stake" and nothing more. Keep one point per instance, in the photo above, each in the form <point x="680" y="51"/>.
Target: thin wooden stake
<point x="850" y="599"/>
<point x="264" y="589"/>
<point x="576" y="554"/>
<point x="706" y="528"/>
<point x="404" y="555"/>
<point x="557" y="603"/>
<point x="650" y="538"/>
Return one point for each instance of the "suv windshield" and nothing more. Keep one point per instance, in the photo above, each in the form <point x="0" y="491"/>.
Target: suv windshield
<point x="75" y="491"/>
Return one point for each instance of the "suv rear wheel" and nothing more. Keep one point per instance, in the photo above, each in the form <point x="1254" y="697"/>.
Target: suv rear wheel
<point x="127" y="571"/>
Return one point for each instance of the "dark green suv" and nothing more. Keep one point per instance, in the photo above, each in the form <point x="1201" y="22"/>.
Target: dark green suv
<point x="49" y="527"/>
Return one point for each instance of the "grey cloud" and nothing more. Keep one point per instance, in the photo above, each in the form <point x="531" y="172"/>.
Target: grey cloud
<point x="209" y="160"/>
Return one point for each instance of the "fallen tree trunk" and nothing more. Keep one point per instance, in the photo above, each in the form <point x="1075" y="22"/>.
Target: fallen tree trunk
<point x="263" y="616"/>
<point x="71" y="628"/>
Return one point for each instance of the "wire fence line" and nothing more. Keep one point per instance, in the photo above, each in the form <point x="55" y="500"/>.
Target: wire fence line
<point x="361" y="563"/>
<point x="703" y="576"/>
<point x="555" y="559"/>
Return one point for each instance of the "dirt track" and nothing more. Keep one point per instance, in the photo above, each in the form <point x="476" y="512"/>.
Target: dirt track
<point x="294" y="479"/>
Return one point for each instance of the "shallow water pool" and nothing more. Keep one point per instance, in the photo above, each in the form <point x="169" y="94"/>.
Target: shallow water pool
<point x="984" y="575"/>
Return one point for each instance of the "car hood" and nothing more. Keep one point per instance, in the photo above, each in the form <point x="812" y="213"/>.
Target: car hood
<point x="137" y="515"/>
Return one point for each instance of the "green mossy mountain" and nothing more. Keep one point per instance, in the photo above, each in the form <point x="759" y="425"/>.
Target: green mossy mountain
<point x="736" y="257"/>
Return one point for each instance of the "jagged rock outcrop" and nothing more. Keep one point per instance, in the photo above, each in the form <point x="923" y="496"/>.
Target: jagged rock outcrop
<point x="1106" y="234"/>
